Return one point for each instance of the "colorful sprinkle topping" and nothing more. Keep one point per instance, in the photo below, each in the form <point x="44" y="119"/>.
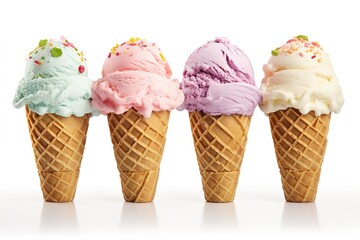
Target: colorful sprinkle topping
<point x="302" y="47"/>
<point x="56" y="52"/>
<point x="132" y="42"/>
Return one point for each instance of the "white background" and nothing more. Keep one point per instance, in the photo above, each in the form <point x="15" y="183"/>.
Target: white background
<point x="179" y="209"/>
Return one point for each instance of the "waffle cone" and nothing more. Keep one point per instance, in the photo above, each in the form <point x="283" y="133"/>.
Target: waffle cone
<point x="300" y="144"/>
<point x="220" y="145"/>
<point x="138" y="147"/>
<point x="58" y="144"/>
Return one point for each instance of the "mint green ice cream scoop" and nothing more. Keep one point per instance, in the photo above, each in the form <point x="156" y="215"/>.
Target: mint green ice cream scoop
<point x="56" y="80"/>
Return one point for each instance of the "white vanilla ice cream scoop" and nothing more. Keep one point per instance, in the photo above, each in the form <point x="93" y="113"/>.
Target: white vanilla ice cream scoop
<point x="300" y="75"/>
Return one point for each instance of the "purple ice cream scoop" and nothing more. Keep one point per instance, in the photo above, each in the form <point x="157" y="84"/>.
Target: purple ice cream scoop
<point x="219" y="79"/>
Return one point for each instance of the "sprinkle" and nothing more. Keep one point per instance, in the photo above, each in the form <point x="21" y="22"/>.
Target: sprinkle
<point x="275" y="52"/>
<point x="81" y="69"/>
<point x="37" y="62"/>
<point x="301" y="54"/>
<point x="30" y="57"/>
<point x="291" y="40"/>
<point x="133" y="40"/>
<point x="42" y="57"/>
<point x="117" y="54"/>
<point x="303" y="37"/>
<point x="109" y="56"/>
<point x="162" y="57"/>
<point x="113" y="49"/>
<point x="316" y="44"/>
<point x="313" y="56"/>
<point x="319" y="60"/>
<point x="43" y="42"/>
<point x="82" y="59"/>
<point x="307" y="44"/>
<point x="51" y="45"/>
<point x="56" y="52"/>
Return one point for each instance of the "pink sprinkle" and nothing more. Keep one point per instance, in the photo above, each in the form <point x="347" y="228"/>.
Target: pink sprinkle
<point x="123" y="43"/>
<point x="313" y="56"/>
<point x="291" y="40"/>
<point x="109" y="56"/>
<point x="301" y="54"/>
<point x="81" y="69"/>
<point x="307" y="44"/>
<point x="315" y="44"/>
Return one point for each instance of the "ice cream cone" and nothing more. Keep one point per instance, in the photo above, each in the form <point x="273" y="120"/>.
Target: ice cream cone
<point x="300" y="144"/>
<point x="58" y="143"/>
<point x="138" y="147"/>
<point x="219" y="144"/>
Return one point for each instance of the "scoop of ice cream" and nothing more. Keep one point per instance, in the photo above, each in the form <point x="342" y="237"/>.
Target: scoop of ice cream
<point x="219" y="79"/>
<point x="55" y="80"/>
<point x="299" y="74"/>
<point x="136" y="74"/>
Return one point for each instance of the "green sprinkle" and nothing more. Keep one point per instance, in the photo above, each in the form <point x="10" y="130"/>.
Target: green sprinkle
<point x="39" y="76"/>
<point x="43" y="42"/>
<point x="56" y="52"/>
<point x="36" y="52"/>
<point x="275" y="52"/>
<point x="303" y="37"/>
<point x="42" y="57"/>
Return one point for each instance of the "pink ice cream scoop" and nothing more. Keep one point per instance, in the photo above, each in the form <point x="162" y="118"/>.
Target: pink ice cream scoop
<point x="136" y="74"/>
<point x="219" y="79"/>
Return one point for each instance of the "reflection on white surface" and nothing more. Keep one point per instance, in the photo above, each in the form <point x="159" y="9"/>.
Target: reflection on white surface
<point x="300" y="216"/>
<point x="60" y="217"/>
<point x="219" y="215"/>
<point x="139" y="215"/>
